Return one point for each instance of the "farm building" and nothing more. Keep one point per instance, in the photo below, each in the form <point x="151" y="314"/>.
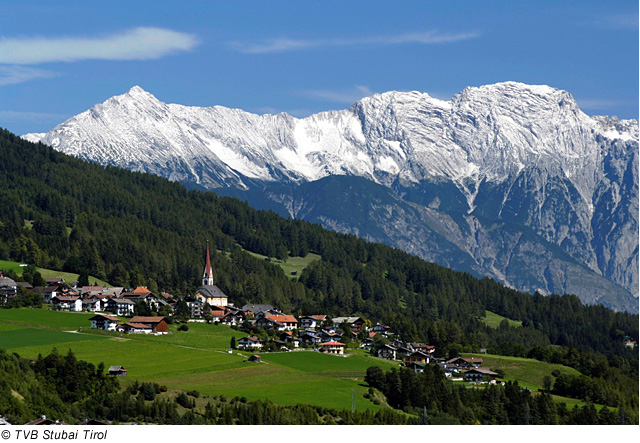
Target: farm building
<point x="158" y="325"/>
<point x="117" y="371"/>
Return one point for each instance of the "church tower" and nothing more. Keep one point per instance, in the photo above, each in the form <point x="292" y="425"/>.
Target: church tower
<point x="207" y="276"/>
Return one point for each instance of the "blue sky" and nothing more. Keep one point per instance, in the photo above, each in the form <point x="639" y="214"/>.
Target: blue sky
<point x="59" y="58"/>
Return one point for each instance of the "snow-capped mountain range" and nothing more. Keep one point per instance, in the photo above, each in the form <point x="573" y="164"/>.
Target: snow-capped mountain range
<point x="495" y="158"/>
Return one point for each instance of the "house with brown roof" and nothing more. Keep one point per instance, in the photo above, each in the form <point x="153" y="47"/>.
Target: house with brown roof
<point x="67" y="302"/>
<point x="158" y="324"/>
<point x="135" y="328"/>
<point x="417" y="357"/>
<point x="388" y="352"/>
<point x="105" y="322"/>
<point x="250" y="343"/>
<point x="461" y="362"/>
<point x="141" y="293"/>
<point x="312" y="321"/>
<point x="479" y="374"/>
<point x="231" y="319"/>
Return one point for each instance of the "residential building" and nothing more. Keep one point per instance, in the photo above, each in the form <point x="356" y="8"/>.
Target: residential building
<point x="8" y="289"/>
<point x="103" y="321"/>
<point x="250" y="343"/>
<point x="479" y="374"/>
<point x="417" y="357"/>
<point x="278" y="322"/>
<point x="67" y="302"/>
<point x="312" y="321"/>
<point x="332" y="347"/>
<point x="120" y="306"/>
<point x="356" y="323"/>
<point x="388" y="352"/>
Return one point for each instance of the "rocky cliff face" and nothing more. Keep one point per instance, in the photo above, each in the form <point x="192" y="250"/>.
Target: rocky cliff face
<point x="509" y="180"/>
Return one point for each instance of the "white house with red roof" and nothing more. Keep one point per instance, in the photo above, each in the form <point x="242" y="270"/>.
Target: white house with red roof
<point x="332" y="347"/>
<point x="282" y="322"/>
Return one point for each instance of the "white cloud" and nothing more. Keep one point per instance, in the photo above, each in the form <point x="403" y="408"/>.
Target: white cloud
<point x="598" y="104"/>
<point x="617" y="21"/>
<point x="136" y="44"/>
<point x="284" y="45"/>
<point x="11" y="75"/>
<point x="347" y="97"/>
<point x="18" y="116"/>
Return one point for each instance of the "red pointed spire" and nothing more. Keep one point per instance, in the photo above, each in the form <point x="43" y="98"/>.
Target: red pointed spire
<point x="207" y="276"/>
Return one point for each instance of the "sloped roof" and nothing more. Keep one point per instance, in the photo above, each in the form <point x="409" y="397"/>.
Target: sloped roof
<point x="146" y="319"/>
<point x="6" y="281"/>
<point x="137" y="325"/>
<point x="256" y="308"/>
<point x="284" y="318"/>
<point x="339" y="320"/>
<point x="211" y="291"/>
<point x="105" y="317"/>
<point x="332" y="343"/>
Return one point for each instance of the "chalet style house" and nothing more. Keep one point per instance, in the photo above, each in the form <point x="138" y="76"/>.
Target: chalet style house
<point x="250" y="343"/>
<point x="312" y="321"/>
<point x="332" y="347"/>
<point x="356" y="323"/>
<point x="278" y="322"/>
<point x="103" y="321"/>
<point x="8" y="288"/>
<point x="460" y="362"/>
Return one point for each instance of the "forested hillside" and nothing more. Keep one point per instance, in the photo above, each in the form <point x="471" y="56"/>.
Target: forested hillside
<point x="131" y="228"/>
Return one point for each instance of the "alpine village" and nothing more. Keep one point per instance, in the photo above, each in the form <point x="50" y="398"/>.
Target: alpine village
<point x="108" y="317"/>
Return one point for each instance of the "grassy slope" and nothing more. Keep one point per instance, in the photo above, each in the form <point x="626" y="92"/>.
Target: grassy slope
<point x="48" y="273"/>
<point x="292" y="263"/>
<point x="493" y="320"/>
<point x="195" y="360"/>
<point x="529" y="373"/>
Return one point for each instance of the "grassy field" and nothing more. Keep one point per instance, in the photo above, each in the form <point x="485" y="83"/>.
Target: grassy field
<point x="48" y="273"/>
<point x="493" y="320"/>
<point x="528" y="372"/>
<point x="195" y="359"/>
<point x="292" y="263"/>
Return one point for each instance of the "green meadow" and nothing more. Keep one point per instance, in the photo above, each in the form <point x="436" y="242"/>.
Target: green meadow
<point x="528" y="372"/>
<point x="48" y="273"/>
<point x="291" y="264"/>
<point x="195" y="359"/>
<point x="493" y="320"/>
